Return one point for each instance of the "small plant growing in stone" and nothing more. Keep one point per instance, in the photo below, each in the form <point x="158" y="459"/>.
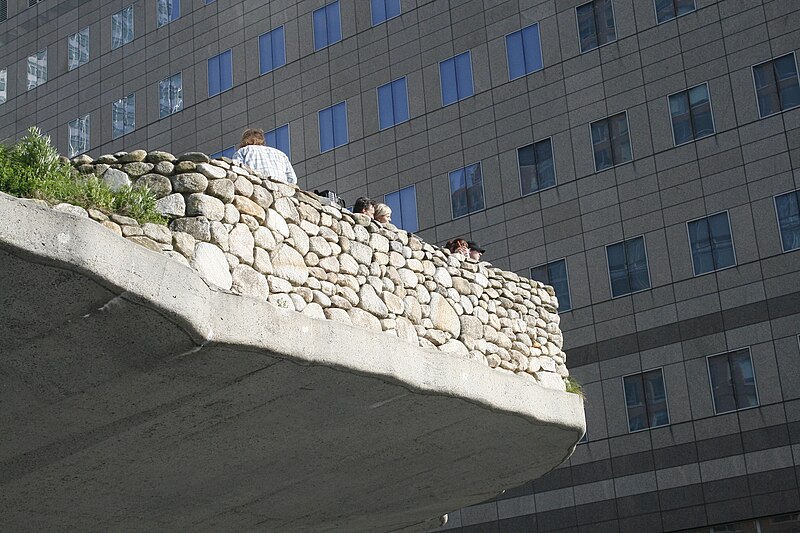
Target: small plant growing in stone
<point x="574" y="387"/>
<point x="282" y="303"/>
<point x="32" y="169"/>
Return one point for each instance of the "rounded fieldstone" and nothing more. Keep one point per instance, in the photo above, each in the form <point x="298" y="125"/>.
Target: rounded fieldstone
<point x="158" y="185"/>
<point x="157" y="156"/>
<point x="189" y="182"/>
<point x="137" y="169"/>
<point x="116" y="179"/>
<point x="287" y="263"/>
<point x="248" y="282"/>
<point x="211" y="171"/>
<point x="211" y="264"/>
<point x="199" y="204"/>
<point x="222" y="189"/>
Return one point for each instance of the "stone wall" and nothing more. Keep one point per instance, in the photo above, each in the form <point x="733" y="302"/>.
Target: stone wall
<point x="275" y="242"/>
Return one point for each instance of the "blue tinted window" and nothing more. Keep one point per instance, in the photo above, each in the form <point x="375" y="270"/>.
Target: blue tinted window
<point x="733" y="382"/>
<point x="227" y="152"/>
<point x="403" y="204"/>
<point x="611" y="142"/>
<point x="595" y="24"/>
<point x="279" y="138"/>
<point x="456" y="78"/>
<point x="646" y="400"/>
<point x="220" y="73"/>
<point x="555" y="275"/>
<point x="777" y="87"/>
<point x="669" y="9"/>
<point x="167" y="11"/>
<point x="383" y="10"/>
<point x="524" y="52"/>
<point x="537" y="170"/>
<point x="123" y="116"/>
<point x="327" y="26"/>
<point x="271" y="50"/>
<point x="333" y="127"/>
<point x="711" y="243"/>
<point x="787" y="206"/>
<point x="392" y="103"/>
<point x="690" y="111"/>
<point x="466" y="190"/>
<point x="170" y="95"/>
<point x="627" y="267"/>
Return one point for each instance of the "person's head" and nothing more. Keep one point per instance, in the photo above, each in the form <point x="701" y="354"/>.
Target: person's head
<point x="475" y="250"/>
<point x="252" y="136"/>
<point x="458" y="246"/>
<point x="365" y="206"/>
<point x="383" y="213"/>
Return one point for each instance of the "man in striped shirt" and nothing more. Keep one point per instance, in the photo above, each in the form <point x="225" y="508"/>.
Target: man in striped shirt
<point x="264" y="159"/>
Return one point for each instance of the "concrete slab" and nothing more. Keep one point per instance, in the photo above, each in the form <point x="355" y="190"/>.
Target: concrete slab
<point x="134" y="397"/>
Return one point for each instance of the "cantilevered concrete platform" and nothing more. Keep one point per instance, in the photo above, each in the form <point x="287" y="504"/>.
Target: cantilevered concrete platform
<point x="136" y="398"/>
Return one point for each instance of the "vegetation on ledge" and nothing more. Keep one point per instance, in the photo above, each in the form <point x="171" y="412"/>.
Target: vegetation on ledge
<point x="32" y="169"/>
<point x="574" y="387"/>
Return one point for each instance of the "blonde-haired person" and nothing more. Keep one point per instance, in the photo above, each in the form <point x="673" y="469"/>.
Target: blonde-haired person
<point x="383" y="213"/>
<point x="264" y="159"/>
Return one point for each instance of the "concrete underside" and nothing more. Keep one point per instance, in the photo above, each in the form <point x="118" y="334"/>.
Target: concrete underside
<point x="136" y="398"/>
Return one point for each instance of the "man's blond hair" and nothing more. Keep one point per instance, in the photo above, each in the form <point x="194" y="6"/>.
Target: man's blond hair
<point x="252" y="136"/>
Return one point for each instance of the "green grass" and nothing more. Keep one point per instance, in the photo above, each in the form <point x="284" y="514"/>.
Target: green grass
<point x="574" y="387"/>
<point x="32" y="169"/>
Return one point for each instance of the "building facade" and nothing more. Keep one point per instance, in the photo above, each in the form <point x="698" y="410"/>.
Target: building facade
<point x="642" y="156"/>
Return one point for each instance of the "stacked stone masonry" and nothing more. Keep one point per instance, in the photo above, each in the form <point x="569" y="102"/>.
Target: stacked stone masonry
<point x="269" y="240"/>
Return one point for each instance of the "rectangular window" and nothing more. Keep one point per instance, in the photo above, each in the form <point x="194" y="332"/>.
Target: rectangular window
<point x="595" y="24"/>
<point x="3" y="85"/>
<point x="787" y="207"/>
<point x="279" y="138"/>
<point x="170" y="95"/>
<point x="78" y="136"/>
<point x="392" y="103"/>
<point x="122" y="27"/>
<point x="627" y="266"/>
<point x="670" y="9"/>
<point x="733" y="382"/>
<point x="167" y="11"/>
<point x="3" y="10"/>
<point x="690" y="111"/>
<point x="537" y="169"/>
<point x="383" y="10"/>
<point x="611" y="141"/>
<point x="646" y="400"/>
<point x="403" y="204"/>
<point x="327" y="26"/>
<point x="777" y="88"/>
<point x="220" y="73"/>
<point x="333" y="127"/>
<point x="32" y="3"/>
<point x="271" y="50"/>
<point x="466" y="190"/>
<point x="78" y="49"/>
<point x="555" y="275"/>
<point x="123" y="116"/>
<point x="456" y="78"/>
<point x="711" y="243"/>
<point x="37" y="69"/>
<point x="227" y="152"/>
<point x="524" y="52"/>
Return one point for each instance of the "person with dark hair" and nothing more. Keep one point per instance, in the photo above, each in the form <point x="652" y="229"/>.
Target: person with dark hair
<point x="264" y="159"/>
<point x="458" y="246"/>
<point x="475" y="250"/>
<point x="365" y="206"/>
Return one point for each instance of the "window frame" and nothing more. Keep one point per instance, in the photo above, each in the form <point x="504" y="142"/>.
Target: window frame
<point x="471" y="79"/>
<point x="172" y="16"/>
<point x="69" y="49"/>
<point x="27" y="69"/>
<point x="578" y="26"/>
<point x="755" y="88"/>
<point x="608" y="267"/>
<point x="711" y="383"/>
<point x="778" y="218"/>
<point x="566" y="275"/>
<point x="261" y="71"/>
<point x="169" y="79"/>
<point x="591" y="140"/>
<point x="346" y="127"/>
<point x="666" y="400"/>
<point x="655" y="12"/>
<point x="121" y="13"/>
<point x="541" y="55"/>
<point x="519" y="169"/>
<point x="733" y="245"/>
<point x="378" y="101"/>
<point x="82" y="119"/>
<point x="219" y="57"/>
<point x="450" y="190"/>
<point x="372" y="18"/>
<point x="125" y="131"/>
<point x="3" y="85"/>
<point x="416" y="210"/>
<point x="328" y="43"/>
<point x="691" y="117"/>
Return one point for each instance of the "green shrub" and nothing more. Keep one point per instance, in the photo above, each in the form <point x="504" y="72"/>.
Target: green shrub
<point x="32" y="169"/>
<point x="574" y="387"/>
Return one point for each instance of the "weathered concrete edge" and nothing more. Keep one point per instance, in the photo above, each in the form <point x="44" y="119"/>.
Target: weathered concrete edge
<point x="207" y="315"/>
